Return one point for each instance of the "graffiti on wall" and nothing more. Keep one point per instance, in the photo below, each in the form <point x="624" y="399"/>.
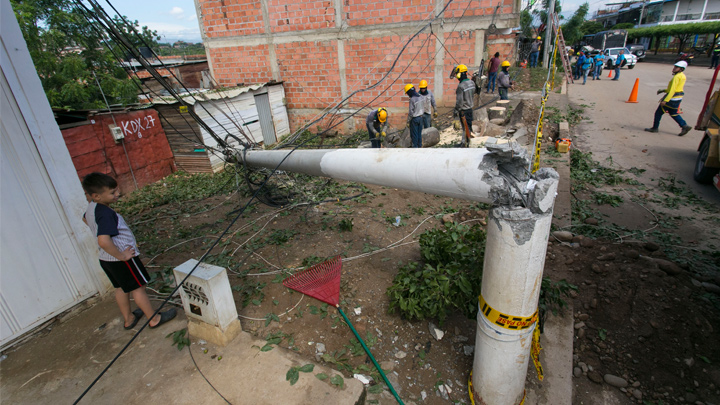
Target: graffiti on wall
<point x="137" y="125"/>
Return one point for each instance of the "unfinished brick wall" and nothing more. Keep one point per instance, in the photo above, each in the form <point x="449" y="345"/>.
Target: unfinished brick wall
<point x="321" y="59"/>
<point x="240" y="64"/>
<point x="310" y="71"/>
<point x="300" y="15"/>
<point x="93" y="149"/>
<point x="229" y="18"/>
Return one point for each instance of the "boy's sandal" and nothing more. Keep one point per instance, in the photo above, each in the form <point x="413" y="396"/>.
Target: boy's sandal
<point x="138" y="313"/>
<point x="165" y="316"/>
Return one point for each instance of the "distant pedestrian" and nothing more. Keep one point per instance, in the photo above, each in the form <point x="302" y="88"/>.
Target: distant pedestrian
<point x="535" y="52"/>
<point x="715" y="56"/>
<point x="671" y="102"/>
<point x="504" y="82"/>
<point x="415" y="115"/>
<point x="619" y="62"/>
<point x="597" y="69"/>
<point x="464" y="95"/>
<point x="429" y="104"/>
<point x="493" y="67"/>
<point x="376" y="123"/>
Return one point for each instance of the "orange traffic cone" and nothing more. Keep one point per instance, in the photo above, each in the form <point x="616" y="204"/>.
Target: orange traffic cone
<point x="609" y="73"/>
<point x="633" y="94"/>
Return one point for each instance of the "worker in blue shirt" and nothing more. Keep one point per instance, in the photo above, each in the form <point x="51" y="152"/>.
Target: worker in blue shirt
<point x="619" y="62"/>
<point x="579" y="64"/>
<point x="599" y="62"/>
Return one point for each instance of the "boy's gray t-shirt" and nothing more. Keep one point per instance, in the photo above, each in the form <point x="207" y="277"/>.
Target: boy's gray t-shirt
<point x="103" y="220"/>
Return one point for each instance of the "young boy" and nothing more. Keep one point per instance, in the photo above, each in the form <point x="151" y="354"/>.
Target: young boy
<point x="118" y="251"/>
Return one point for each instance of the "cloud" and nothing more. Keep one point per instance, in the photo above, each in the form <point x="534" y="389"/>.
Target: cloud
<point x="177" y="12"/>
<point x="192" y="18"/>
<point x="174" y="32"/>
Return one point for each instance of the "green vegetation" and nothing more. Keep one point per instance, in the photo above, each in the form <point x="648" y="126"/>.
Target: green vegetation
<point x="180" y="338"/>
<point x="71" y="55"/>
<point x="450" y="278"/>
<point x="683" y="32"/>
<point x="572" y="115"/>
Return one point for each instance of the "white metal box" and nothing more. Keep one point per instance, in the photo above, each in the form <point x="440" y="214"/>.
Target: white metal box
<point x="206" y="295"/>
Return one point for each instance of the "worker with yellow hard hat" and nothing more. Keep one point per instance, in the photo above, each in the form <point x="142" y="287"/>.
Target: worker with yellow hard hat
<point x="376" y="123"/>
<point x="464" y="102"/>
<point x="504" y="82"/>
<point x="415" y="115"/>
<point x="535" y="52"/>
<point x="429" y="103"/>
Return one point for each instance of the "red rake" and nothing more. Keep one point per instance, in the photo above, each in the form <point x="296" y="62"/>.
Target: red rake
<point x="322" y="282"/>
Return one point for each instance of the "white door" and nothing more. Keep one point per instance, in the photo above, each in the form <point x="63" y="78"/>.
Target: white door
<point x="47" y="262"/>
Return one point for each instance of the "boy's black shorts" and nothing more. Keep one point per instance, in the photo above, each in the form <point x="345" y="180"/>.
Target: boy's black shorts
<point x="128" y="275"/>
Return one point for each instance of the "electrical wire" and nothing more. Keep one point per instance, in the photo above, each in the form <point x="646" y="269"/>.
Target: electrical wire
<point x="203" y="375"/>
<point x="254" y="196"/>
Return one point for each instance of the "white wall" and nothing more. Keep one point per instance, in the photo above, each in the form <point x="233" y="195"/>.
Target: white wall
<point x="48" y="257"/>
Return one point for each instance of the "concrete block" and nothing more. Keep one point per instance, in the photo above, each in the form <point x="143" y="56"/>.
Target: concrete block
<point x="214" y="334"/>
<point x="564" y="130"/>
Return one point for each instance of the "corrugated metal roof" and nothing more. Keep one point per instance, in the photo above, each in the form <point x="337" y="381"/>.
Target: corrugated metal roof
<point x="202" y="95"/>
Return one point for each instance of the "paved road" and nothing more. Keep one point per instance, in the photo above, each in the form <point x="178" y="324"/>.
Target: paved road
<point x="615" y="128"/>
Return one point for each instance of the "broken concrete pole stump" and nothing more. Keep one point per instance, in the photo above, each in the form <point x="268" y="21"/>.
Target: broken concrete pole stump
<point x="497" y="113"/>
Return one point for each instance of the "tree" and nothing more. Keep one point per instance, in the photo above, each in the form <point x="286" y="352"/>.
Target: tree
<point x="623" y="26"/>
<point x="73" y="53"/>
<point x="591" y="28"/>
<point x="571" y="29"/>
<point x="526" y="24"/>
<point x="682" y="32"/>
<point x="542" y="14"/>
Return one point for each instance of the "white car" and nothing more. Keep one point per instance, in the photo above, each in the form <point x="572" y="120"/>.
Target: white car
<point x="611" y="55"/>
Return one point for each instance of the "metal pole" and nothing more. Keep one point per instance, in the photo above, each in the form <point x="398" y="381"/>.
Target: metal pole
<point x="548" y="32"/>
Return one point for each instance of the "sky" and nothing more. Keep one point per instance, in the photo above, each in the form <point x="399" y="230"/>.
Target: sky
<point x="176" y="19"/>
<point x="172" y="19"/>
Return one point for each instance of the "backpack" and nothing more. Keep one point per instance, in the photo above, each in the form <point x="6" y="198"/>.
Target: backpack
<point x="624" y="61"/>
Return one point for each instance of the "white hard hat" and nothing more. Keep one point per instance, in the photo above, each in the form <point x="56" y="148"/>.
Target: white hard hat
<point x="681" y="64"/>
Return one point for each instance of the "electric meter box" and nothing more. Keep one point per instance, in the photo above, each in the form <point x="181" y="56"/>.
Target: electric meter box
<point x="206" y="294"/>
<point x="116" y="133"/>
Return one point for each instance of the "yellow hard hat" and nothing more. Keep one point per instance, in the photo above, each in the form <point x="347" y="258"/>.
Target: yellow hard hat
<point x="408" y="87"/>
<point x="382" y="114"/>
<point x="423" y="84"/>
<point x="539" y="38"/>
<point x="505" y="63"/>
<point x="461" y="68"/>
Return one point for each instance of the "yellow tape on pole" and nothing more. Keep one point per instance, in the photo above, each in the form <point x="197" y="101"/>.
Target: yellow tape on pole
<point x="504" y="320"/>
<point x="535" y="353"/>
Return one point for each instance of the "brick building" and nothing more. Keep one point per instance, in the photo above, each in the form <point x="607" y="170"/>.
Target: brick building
<point x="324" y="50"/>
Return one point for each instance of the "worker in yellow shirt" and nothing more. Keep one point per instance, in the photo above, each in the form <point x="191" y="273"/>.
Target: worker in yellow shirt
<point x="671" y="102"/>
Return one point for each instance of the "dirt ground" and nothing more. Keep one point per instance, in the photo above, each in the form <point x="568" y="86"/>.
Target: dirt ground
<point x="647" y="308"/>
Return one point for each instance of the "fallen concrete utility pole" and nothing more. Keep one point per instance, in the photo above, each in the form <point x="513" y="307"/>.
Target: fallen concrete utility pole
<point x="517" y="234"/>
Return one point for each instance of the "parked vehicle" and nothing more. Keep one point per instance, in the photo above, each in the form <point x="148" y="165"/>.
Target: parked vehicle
<point x="610" y="39"/>
<point x="687" y="57"/>
<point x="707" y="164"/>
<point x="612" y="54"/>
<point x="637" y="50"/>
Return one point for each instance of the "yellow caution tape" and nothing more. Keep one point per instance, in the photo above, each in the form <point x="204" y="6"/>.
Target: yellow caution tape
<point x="535" y="353"/>
<point x="504" y="320"/>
